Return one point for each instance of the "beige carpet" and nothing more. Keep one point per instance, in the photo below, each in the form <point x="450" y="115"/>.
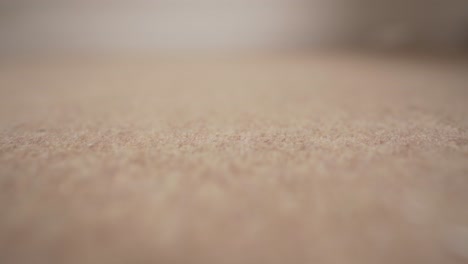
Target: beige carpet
<point x="306" y="159"/>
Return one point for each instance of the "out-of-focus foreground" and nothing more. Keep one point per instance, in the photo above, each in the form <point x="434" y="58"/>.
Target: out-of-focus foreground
<point x="309" y="160"/>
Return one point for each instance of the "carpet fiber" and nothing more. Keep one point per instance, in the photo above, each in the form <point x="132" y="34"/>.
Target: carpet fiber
<point x="312" y="159"/>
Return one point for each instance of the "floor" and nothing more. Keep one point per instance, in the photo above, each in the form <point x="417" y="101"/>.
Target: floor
<point x="317" y="158"/>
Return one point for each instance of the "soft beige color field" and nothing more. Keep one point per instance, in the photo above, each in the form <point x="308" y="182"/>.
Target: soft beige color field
<point x="299" y="159"/>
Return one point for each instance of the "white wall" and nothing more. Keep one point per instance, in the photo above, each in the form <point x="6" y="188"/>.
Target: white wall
<point x="181" y="25"/>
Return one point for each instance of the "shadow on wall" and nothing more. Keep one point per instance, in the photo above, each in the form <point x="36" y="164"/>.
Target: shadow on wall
<point x="410" y="24"/>
<point x="230" y="25"/>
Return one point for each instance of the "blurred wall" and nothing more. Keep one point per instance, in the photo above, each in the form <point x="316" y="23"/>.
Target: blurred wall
<point x="32" y="26"/>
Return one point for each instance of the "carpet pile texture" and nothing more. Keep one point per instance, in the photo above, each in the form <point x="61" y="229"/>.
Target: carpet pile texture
<point x="308" y="159"/>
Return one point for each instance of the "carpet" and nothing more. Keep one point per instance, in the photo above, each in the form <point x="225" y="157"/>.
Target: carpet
<point x="338" y="158"/>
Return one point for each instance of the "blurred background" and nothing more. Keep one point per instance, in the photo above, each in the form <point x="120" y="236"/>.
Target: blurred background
<point x="329" y="139"/>
<point x="177" y="26"/>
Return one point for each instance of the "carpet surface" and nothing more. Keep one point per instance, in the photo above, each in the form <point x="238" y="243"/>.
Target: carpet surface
<point x="309" y="159"/>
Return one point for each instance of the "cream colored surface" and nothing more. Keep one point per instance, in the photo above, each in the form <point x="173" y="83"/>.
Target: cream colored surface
<point x="310" y="159"/>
